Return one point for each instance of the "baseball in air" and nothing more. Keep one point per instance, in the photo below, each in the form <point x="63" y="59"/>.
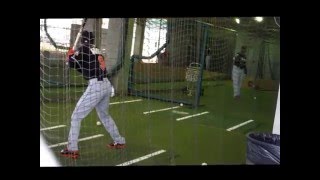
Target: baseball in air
<point x="254" y="97"/>
<point x="181" y="104"/>
<point x="204" y="164"/>
<point x="98" y="123"/>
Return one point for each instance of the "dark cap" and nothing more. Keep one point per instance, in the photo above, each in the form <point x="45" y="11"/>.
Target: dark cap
<point x="87" y="37"/>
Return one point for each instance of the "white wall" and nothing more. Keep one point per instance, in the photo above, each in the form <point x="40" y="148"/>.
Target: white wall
<point x="111" y="41"/>
<point x="276" y="124"/>
<point x="47" y="158"/>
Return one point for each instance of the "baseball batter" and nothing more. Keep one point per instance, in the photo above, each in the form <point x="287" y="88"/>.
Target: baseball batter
<point x="90" y="62"/>
<point x="239" y="71"/>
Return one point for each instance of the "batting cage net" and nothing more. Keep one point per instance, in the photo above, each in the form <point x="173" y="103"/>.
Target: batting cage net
<point x="182" y="55"/>
<point x="173" y="88"/>
<point x="61" y="87"/>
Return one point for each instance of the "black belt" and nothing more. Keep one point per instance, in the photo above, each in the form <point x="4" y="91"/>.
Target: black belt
<point x="239" y="66"/>
<point x="98" y="78"/>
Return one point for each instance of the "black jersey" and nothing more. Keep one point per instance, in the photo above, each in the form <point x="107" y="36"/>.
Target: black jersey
<point x="89" y="62"/>
<point x="240" y="61"/>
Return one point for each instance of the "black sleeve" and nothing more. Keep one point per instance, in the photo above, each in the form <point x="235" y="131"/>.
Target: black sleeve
<point x="237" y="58"/>
<point x="245" y="66"/>
<point x="72" y="62"/>
<point x="109" y="76"/>
<point x="82" y="52"/>
<point x="110" y="80"/>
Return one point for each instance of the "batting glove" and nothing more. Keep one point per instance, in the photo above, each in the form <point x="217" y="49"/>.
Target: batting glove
<point x="112" y="91"/>
<point x="69" y="54"/>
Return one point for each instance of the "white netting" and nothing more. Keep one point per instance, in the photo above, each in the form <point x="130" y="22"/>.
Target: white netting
<point x="193" y="72"/>
<point x="61" y="87"/>
<point x="177" y="63"/>
<point x="192" y="76"/>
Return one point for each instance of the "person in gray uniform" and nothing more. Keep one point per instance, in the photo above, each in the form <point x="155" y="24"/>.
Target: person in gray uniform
<point x="239" y="71"/>
<point x="90" y="62"/>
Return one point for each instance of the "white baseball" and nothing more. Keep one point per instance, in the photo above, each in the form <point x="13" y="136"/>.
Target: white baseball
<point x="181" y="104"/>
<point x="204" y="164"/>
<point x="98" y="123"/>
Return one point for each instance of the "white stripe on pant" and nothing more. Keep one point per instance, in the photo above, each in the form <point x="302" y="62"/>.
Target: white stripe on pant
<point x="237" y="78"/>
<point x="97" y="95"/>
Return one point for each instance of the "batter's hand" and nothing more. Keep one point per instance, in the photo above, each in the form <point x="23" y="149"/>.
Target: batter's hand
<point x="112" y="92"/>
<point x="69" y="54"/>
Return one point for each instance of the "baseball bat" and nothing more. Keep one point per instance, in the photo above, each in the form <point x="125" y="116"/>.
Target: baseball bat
<point x="79" y="34"/>
<point x="78" y="38"/>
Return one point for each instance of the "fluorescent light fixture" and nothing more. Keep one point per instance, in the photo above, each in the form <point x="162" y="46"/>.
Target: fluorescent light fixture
<point x="259" y="19"/>
<point x="237" y="20"/>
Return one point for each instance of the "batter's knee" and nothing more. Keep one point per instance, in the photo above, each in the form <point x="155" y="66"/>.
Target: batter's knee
<point x="76" y="117"/>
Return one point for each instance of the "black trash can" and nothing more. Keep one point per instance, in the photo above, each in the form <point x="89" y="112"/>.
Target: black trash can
<point x="263" y="148"/>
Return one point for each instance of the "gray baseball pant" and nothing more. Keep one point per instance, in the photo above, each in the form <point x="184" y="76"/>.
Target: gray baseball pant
<point x="97" y="95"/>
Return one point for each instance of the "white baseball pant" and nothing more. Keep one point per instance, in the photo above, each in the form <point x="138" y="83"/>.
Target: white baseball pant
<point x="97" y="95"/>
<point x="237" y="78"/>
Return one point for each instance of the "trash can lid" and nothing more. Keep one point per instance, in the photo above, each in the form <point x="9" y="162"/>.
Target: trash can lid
<point x="269" y="138"/>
